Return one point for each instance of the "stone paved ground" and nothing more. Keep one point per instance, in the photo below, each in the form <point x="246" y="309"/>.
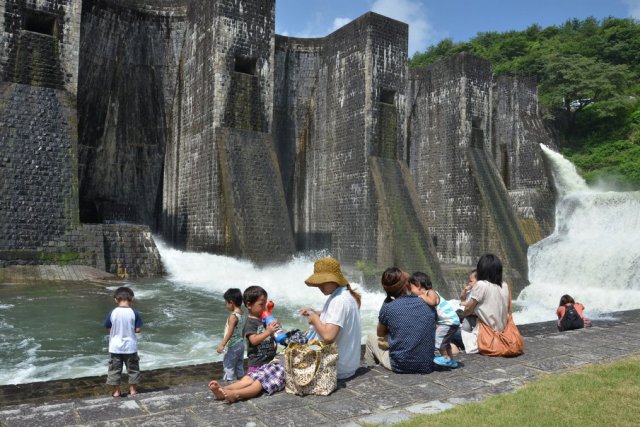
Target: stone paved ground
<point x="373" y="396"/>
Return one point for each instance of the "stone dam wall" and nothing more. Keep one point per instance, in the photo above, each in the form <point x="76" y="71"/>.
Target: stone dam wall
<point x="489" y="190"/>
<point x="40" y="42"/>
<point x="40" y="139"/>
<point x="38" y="162"/>
<point x="333" y="184"/>
<point x="225" y="82"/>
<point x="127" y="80"/>
<point x="125" y="250"/>
<point x="194" y="119"/>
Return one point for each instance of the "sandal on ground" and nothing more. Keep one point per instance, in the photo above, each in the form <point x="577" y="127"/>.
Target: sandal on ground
<point x="447" y="363"/>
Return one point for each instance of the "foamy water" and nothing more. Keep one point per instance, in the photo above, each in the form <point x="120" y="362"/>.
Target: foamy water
<point x="593" y="254"/>
<point x="283" y="282"/>
<point x="54" y="331"/>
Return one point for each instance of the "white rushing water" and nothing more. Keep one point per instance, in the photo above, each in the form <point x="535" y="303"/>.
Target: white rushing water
<point x="593" y="254"/>
<point x="183" y="314"/>
<point x="283" y="282"/>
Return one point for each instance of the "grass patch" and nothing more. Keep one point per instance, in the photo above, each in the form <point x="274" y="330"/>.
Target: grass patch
<point x="596" y="395"/>
<point x="59" y="258"/>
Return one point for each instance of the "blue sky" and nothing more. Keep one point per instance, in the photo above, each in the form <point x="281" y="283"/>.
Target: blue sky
<point x="433" y="20"/>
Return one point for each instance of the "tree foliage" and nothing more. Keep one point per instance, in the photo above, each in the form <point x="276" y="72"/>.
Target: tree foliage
<point x="589" y="88"/>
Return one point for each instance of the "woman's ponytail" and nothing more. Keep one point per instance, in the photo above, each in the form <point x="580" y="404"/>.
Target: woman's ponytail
<point x="356" y="296"/>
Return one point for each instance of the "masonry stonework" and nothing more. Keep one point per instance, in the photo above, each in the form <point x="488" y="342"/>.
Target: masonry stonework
<point x="39" y="185"/>
<point x="127" y="80"/>
<point x="195" y="119"/>
<point x="39" y="140"/>
<point x="488" y="191"/>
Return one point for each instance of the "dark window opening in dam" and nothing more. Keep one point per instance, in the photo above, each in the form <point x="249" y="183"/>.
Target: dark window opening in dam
<point x="387" y="96"/>
<point x="477" y="134"/>
<point x="246" y="65"/>
<point x="506" y="175"/>
<point x="39" y="22"/>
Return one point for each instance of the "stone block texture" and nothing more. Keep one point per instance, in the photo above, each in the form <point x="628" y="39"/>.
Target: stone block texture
<point x="126" y="250"/>
<point x="444" y="100"/>
<point x="39" y="179"/>
<point x="40" y="42"/>
<point x="127" y="80"/>
<point x="333" y="197"/>
<point x="129" y="251"/>
<point x="256" y="215"/>
<point x="38" y="169"/>
<point x="488" y="191"/>
<point x="517" y="134"/>
<point x="225" y="81"/>
<point x="195" y="119"/>
<point x="38" y="126"/>
<point x="402" y="233"/>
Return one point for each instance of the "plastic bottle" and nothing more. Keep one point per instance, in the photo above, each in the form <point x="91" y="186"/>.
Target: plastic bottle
<point x="267" y="318"/>
<point x="311" y="334"/>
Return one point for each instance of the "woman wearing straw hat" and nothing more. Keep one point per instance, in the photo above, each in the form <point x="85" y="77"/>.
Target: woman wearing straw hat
<point x="339" y="320"/>
<point x="405" y="338"/>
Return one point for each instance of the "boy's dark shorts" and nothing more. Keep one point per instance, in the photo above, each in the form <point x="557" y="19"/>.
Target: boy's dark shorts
<point x="444" y="334"/>
<point x="131" y="361"/>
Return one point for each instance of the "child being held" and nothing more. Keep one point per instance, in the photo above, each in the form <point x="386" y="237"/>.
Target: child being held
<point x="123" y="322"/>
<point x="571" y="314"/>
<point x="233" y="342"/>
<point x="447" y="323"/>
<point x="263" y="374"/>
<point x="466" y="291"/>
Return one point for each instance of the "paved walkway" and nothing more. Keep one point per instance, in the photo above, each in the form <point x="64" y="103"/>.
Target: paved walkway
<point x="373" y="396"/>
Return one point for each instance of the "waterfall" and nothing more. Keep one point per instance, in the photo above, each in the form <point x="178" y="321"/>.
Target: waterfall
<point x="284" y="282"/>
<point x="592" y="255"/>
<point x="565" y="176"/>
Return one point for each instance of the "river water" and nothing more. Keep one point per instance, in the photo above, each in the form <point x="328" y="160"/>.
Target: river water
<point x="52" y="331"/>
<point x="55" y="330"/>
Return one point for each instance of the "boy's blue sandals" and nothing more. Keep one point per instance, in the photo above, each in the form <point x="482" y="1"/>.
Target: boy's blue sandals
<point x="447" y="363"/>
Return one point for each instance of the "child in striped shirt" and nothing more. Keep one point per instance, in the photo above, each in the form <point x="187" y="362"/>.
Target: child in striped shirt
<point x="232" y="344"/>
<point x="448" y="321"/>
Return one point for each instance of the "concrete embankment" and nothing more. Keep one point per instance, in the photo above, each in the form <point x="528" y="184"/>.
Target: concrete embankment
<point x="179" y="396"/>
<point x="28" y="274"/>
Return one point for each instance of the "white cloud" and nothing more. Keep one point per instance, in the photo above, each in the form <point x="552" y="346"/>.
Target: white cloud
<point x="314" y="27"/>
<point x="412" y="12"/>
<point x="634" y="8"/>
<point x="339" y="23"/>
<point x="282" y="32"/>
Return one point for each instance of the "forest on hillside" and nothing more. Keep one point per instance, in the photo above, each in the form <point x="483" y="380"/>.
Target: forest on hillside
<point x="588" y="85"/>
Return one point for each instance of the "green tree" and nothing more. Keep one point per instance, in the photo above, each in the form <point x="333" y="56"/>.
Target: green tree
<point x="588" y="74"/>
<point x="443" y="49"/>
<point x="571" y="83"/>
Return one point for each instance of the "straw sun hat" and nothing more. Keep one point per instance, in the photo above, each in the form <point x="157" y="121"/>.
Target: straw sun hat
<point x="326" y="270"/>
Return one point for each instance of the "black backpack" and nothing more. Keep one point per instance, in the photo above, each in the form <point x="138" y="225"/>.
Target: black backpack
<point x="571" y="319"/>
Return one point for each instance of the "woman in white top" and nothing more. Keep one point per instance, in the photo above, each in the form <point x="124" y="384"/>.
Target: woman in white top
<point x="489" y="299"/>
<point x="339" y="320"/>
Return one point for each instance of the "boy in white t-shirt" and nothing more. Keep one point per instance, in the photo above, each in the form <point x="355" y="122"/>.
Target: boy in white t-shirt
<point x="123" y="322"/>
